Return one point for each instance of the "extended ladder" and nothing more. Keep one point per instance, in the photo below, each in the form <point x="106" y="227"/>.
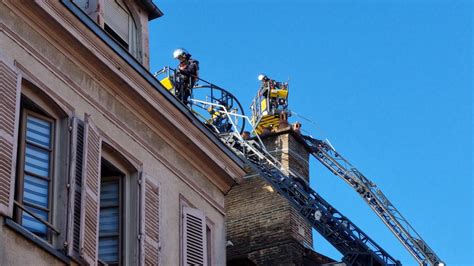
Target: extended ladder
<point x="377" y="201"/>
<point x="356" y="246"/>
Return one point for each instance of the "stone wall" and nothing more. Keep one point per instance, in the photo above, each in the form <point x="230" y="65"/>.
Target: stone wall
<point x="261" y="224"/>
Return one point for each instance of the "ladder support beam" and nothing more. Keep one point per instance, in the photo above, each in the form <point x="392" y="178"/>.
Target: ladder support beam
<point x="376" y="200"/>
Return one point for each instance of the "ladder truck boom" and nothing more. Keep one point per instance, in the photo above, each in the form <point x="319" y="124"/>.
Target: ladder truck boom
<point x="377" y="201"/>
<point x="268" y="108"/>
<point x="356" y="246"/>
<point x="264" y="116"/>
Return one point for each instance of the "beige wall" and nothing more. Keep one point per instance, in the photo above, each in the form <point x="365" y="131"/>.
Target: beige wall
<point x="71" y="75"/>
<point x="16" y="250"/>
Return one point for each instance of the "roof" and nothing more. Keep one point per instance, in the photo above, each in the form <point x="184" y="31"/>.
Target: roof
<point x="151" y="8"/>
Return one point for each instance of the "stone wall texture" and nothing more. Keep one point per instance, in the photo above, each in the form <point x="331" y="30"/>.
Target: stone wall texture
<point x="261" y="224"/>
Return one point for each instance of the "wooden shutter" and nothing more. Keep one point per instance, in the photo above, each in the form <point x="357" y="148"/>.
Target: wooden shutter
<point x="75" y="185"/>
<point x="89" y="230"/>
<point x="117" y="18"/>
<point x="10" y="82"/>
<point x="194" y="234"/>
<point x="149" y="244"/>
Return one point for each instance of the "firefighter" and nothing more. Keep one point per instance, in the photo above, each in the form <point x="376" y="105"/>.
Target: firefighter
<point x="219" y="119"/>
<point x="269" y="89"/>
<point x="187" y="74"/>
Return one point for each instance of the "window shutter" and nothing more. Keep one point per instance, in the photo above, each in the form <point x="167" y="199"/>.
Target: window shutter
<point x="10" y="83"/>
<point x="149" y="244"/>
<point x="75" y="185"/>
<point x="194" y="233"/>
<point x="89" y="230"/>
<point x="117" y="19"/>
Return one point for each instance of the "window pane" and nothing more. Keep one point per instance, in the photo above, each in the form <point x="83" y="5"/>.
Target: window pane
<point x="37" y="161"/>
<point x="36" y="191"/>
<point x="109" y="193"/>
<point x="38" y="131"/>
<point x="37" y="156"/>
<point x="109" y="221"/>
<point x="117" y="19"/>
<point x="108" y="249"/>
<point x="34" y="225"/>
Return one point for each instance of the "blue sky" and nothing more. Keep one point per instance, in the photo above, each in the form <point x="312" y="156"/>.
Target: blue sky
<point x="389" y="83"/>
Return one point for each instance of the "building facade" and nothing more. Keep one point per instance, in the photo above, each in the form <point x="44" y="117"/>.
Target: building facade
<point x="99" y="163"/>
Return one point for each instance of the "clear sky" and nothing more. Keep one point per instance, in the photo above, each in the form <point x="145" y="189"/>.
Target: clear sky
<point x="389" y="83"/>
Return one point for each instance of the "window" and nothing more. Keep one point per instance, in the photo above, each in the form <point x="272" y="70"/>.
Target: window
<point x="39" y="175"/>
<point x="111" y="214"/>
<point x="30" y="121"/>
<point x="42" y="125"/>
<point x="116" y="36"/>
<point x="118" y="22"/>
<point x="35" y="173"/>
<point x="119" y="212"/>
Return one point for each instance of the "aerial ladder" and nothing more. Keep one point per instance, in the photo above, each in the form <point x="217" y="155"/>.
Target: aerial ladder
<point x="332" y="160"/>
<point x="356" y="246"/>
<point x="376" y="200"/>
<point x="223" y="114"/>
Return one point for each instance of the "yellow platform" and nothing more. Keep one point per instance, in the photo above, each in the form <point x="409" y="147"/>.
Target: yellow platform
<point x="279" y="93"/>
<point x="268" y="121"/>
<point x="166" y="82"/>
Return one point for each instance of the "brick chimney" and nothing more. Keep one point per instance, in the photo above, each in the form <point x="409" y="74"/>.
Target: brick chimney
<point x="261" y="224"/>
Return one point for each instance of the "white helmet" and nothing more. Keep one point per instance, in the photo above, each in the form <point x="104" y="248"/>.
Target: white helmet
<point x="262" y="77"/>
<point x="179" y="53"/>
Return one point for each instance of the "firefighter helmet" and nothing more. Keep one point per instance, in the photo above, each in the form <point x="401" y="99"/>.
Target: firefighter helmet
<point x="262" y="77"/>
<point x="180" y="52"/>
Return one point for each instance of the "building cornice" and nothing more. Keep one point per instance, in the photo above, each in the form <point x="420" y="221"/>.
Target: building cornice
<point x="152" y="9"/>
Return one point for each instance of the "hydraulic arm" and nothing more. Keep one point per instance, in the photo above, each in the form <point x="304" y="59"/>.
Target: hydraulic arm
<point x="222" y="115"/>
<point x="377" y="201"/>
<point x="356" y="246"/>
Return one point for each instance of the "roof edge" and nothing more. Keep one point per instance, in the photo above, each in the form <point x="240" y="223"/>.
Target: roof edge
<point x="152" y="9"/>
<point x="151" y="80"/>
